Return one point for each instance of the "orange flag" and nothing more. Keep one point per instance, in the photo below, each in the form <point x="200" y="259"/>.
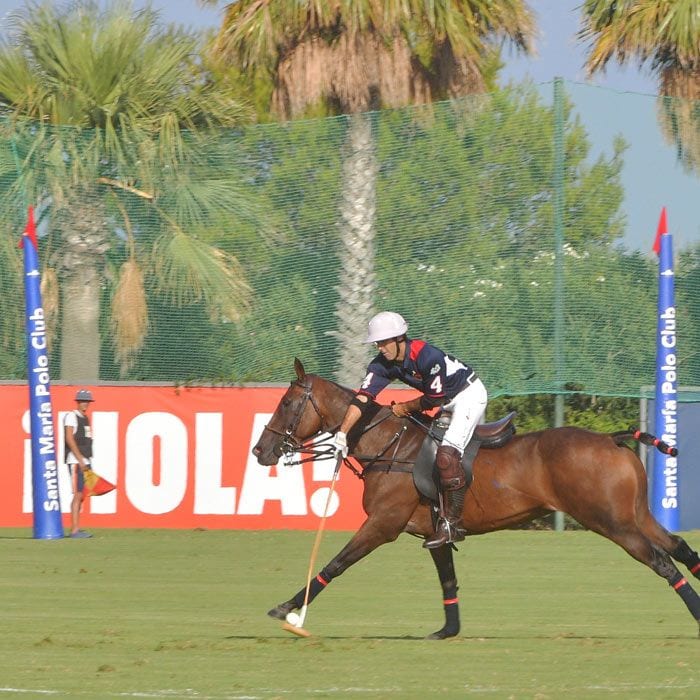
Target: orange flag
<point x="95" y="485"/>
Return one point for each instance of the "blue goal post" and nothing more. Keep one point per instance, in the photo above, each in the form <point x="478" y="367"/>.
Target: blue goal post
<point x="688" y="443"/>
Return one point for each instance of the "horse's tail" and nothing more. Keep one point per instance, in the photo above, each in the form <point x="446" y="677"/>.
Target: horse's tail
<point x="645" y="439"/>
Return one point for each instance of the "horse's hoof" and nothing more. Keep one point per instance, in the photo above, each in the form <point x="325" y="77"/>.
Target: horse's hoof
<point x="280" y="612"/>
<point x="444" y="633"/>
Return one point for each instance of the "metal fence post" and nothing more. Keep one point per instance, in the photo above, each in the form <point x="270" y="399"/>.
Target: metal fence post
<point x="559" y="178"/>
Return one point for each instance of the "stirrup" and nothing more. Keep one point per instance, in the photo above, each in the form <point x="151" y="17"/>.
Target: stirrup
<point x="445" y="533"/>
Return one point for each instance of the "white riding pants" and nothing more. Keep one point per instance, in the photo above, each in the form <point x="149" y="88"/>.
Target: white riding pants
<point x="467" y="409"/>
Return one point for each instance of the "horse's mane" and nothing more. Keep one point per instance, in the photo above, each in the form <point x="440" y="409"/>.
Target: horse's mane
<point x="344" y="389"/>
<point x="422" y="419"/>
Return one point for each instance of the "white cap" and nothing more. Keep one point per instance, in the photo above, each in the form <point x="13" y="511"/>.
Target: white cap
<point x="385" y="325"/>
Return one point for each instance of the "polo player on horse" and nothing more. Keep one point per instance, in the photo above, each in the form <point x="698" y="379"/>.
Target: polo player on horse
<point x="445" y="382"/>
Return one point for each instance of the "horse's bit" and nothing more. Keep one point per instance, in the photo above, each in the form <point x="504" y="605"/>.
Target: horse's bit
<point x="322" y="450"/>
<point x="290" y="445"/>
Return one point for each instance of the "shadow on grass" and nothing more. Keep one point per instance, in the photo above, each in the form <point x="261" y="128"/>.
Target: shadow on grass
<point x="464" y="638"/>
<point x="325" y="636"/>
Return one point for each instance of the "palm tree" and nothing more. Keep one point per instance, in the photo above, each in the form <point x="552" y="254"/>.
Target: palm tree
<point x="362" y="55"/>
<point x="108" y="117"/>
<point x="665" y="36"/>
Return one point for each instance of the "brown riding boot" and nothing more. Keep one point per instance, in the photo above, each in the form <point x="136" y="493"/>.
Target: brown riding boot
<point x="454" y="487"/>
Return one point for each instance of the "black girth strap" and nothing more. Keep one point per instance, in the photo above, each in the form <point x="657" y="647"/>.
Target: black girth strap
<point x="385" y="465"/>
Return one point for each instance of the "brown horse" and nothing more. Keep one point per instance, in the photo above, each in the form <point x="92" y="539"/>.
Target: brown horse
<point x="591" y="476"/>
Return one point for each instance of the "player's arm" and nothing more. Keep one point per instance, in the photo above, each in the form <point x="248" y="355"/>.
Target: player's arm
<point x="375" y="380"/>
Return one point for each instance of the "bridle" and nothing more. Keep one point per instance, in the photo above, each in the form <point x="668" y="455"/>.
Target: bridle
<point x="291" y="445"/>
<point x="323" y="449"/>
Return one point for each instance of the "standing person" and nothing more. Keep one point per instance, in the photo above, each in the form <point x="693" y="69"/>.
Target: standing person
<point x="78" y="440"/>
<point x="444" y="381"/>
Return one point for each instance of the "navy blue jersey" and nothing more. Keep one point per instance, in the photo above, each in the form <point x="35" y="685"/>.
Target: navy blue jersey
<point x="438" y="375"/>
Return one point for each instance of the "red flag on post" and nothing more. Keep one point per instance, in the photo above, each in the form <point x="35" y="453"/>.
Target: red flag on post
<point x="30" y="230"/>
<point x="95" y="485"/>
<point x="661" y="229"/>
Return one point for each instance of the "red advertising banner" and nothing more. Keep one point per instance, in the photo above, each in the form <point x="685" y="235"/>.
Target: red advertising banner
<point x="180" y="458"/>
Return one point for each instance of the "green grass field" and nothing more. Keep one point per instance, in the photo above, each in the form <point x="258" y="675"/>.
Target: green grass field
<point x="181" y="614"/>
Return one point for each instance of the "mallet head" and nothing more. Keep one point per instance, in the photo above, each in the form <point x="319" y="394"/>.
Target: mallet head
<point x="299" y="631"/>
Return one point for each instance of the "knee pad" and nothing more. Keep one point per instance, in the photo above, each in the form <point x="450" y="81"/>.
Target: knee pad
<point x="448" y="461"/>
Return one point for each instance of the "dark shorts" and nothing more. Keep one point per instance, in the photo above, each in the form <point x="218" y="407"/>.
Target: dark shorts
<point x="81" y="481"/>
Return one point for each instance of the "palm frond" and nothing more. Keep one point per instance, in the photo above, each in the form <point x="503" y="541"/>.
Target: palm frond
<point x="407" y="51"/>
<point x="664" y="34"/>
<point x="90" y="67"/>
<point x="190" y="271"/>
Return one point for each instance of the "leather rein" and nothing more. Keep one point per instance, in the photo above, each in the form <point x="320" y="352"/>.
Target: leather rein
<point x="323" y="449"/>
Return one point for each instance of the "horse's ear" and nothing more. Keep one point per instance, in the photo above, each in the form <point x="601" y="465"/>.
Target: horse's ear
<point x="299" y="368"/>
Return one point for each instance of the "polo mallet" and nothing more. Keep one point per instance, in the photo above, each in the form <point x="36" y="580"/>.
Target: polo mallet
<point x="298" y="627"/>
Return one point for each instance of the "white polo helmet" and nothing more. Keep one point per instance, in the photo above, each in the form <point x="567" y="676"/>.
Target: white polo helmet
<point x="385" y="325"/>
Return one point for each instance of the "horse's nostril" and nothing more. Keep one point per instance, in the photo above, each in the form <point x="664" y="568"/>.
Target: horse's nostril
<point x="257" y="451"/>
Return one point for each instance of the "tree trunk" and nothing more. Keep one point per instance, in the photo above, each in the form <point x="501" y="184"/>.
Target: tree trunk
<point x="357" y="279"/>
<point x="80" y="331"/>
<point x="80" y="262"/>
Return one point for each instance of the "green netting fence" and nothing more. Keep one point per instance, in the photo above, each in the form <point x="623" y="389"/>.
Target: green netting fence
<point x="513" y="229"/>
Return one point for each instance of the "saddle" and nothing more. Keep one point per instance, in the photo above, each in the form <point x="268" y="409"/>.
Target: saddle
<point x="487" y="435"/>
